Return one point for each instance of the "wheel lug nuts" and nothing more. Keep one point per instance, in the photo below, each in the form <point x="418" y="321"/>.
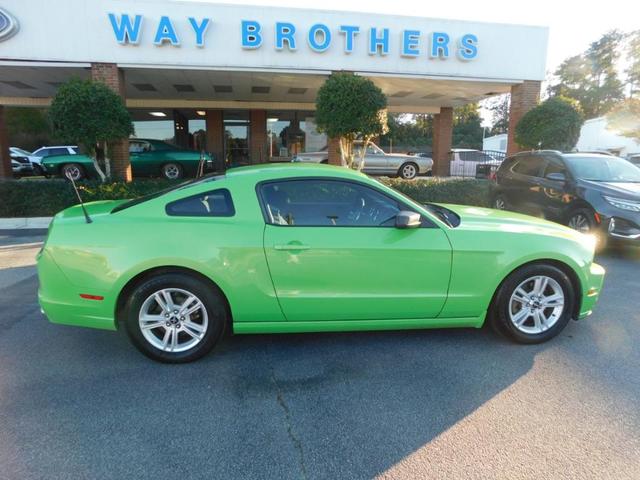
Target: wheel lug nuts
<point x="168" y="324"/>
<point x="166" y="315"/>
<point x="182" y="318"/>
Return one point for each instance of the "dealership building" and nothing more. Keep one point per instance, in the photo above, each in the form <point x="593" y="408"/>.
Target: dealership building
<point x="241" y="81"/>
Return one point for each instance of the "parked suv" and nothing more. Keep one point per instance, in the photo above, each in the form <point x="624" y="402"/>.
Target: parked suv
<point x="588" y="192"/>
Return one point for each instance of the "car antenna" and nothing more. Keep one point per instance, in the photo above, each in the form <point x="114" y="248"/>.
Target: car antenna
<point x="75" y="188"/>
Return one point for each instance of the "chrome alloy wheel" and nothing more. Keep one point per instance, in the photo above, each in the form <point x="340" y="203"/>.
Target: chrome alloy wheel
<point x="536" y="304"/>
<point x="173" y="320"/>
<point x="409" y="171"/>
<point x="73" y="172"/>
<point x="579" y="222"/>
<point x="171" y="171"/>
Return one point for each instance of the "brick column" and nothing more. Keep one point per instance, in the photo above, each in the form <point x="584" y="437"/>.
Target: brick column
<point x="333" y="148"/>
<point x="442" y="137"/>
<point x="215" y="137"/>
<point x="258" y="136"/>
<point x="5" y="159"/>
<point x="113" y="77"/>
<point x="524" y="96"/>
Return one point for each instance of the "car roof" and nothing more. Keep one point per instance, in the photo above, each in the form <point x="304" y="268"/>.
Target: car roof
<point x="274" y="170"/>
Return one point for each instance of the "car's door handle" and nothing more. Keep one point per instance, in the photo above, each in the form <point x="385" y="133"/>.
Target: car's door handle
<point x="292" y="246"/>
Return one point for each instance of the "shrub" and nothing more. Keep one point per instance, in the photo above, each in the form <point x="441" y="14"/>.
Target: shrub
<point x="43" y="198"/>
<point x="554" y="124"/>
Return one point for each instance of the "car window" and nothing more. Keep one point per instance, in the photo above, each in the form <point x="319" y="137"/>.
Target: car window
<point x="47" y="152"/>
<point x="327" y="203"/>
<point x="138" y="147"/>
<point x="74" y="150"/>
<point x="216" y="203"/>
<point x="528" y="165"/>
<point x="554" y="165"/>
<point x="602" y="168"/>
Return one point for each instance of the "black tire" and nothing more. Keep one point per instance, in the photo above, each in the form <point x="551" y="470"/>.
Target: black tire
<point x="172" y="171"/>
<point x="581" y="219"/>
<point x="500" y="202"/>
<point x="500" y="312"/>
<point x="210" y="297"/>
<point x="74" y="169"/>
<point x="325" y="161"/>
<point x="38" y="170"/>
<point x="408" y="171"/>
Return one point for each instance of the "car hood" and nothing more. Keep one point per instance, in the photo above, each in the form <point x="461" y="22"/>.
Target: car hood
<point x="630" y="190"/>
<point x="477" y="218"/>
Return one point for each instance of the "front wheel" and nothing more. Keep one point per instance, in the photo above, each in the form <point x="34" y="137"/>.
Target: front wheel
<point x="171" y="171"/>
<point x="582" y="220"/>
<point x="533" y="304"/>
<point x="175" y="318"/>
<point x="408" y="171"/>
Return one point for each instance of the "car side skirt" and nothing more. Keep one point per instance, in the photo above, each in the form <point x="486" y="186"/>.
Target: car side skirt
<point x="357" y="325"/>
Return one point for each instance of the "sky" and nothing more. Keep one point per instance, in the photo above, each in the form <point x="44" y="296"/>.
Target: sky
<point x="572" y="24"/>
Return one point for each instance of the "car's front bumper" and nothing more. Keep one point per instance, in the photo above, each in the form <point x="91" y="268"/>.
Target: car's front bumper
<point x="591" y="289"/>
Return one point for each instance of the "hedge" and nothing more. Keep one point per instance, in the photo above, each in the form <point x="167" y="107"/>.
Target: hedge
<point x="43" y="198"/>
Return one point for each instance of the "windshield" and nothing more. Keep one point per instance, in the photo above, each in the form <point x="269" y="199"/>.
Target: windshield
<point x="600" y="168"/>
<point x="145" y="198"/>
<point x="21" y="151"/>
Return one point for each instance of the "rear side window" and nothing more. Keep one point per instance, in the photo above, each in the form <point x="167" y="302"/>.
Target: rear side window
<point x="216" y="203"/>
<point x="530" y="166"/>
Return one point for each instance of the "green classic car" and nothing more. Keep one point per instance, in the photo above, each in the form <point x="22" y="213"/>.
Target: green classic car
<point x="307" y="248"/>
<point x="148" y="158"/>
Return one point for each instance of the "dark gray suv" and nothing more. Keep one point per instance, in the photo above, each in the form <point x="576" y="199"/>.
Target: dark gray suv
<point x="588" y="192"/>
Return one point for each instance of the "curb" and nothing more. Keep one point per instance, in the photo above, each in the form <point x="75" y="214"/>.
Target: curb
<point x="25" y="223"/>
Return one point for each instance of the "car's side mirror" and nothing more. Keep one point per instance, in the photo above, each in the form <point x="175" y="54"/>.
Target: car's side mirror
<point x="406" y="219"/>
<point x="556" y="177"/>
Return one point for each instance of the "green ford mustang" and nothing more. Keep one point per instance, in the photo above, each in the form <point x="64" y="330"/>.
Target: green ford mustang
<point x="148" y="158"/>
<point x="306" y="248"/>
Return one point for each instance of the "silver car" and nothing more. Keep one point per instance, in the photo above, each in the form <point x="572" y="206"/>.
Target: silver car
<point x="377" y="162"/>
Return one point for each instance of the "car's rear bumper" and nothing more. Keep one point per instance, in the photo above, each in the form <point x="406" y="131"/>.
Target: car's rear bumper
<point x="61" y="302"/>
<point x="591" y="289"/>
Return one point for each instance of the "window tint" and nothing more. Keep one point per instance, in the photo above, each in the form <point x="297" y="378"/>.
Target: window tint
<point x="530" y="166"/>
<point x="216" y="203"/>
<point x="55" y="151"/>
<point x="554" y="166"/>
<point x="327" y="203"/>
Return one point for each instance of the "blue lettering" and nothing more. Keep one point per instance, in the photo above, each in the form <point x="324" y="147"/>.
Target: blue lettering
<point x="323" y="30"/>
<point x="285" y="32"/>
<point x="440" y="45"/>
<point x="410" y="43"/>
<point x="199" y="29"/>
<point x="376" y="42"/>
<point x="349" y="34"/>
<point x="468" y="47"/>
<point x="166" y="32"/>
<point x="124" y="31"/>
<point x="251" y="36"/>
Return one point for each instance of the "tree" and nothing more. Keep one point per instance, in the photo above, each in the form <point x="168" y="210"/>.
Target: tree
<point x="633" y="55"/>
<point x="591" y="78"/>
<point x="554" y="124"/>
<point x="28" y="127"/>
<point x="413" y="131"/>
<point x="90" y="114"/>
<point x="467" y="127"/>
<point x="625" y="118"/>
<point x="499" y="108"/>
<point x="350" y="107"/>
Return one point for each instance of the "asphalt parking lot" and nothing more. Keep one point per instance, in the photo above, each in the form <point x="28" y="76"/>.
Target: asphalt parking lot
<point x="79" y="403"/>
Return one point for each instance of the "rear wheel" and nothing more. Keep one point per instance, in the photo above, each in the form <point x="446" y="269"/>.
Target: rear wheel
<point x="74" y="171"/>
<point x="171" y="171"/>
<point x="175" y="318"/>
<point x="408" y="171"/>
<point x="533" y="304"/>
<point x="500" y="202"/>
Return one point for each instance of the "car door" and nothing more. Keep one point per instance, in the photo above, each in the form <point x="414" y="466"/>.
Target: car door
<point x="555" y="194"/>
<point x="525" y="176"/>
<point x="141" y="158"/>
<point x="334" y="253"/>
<point x="375" y="160"/>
